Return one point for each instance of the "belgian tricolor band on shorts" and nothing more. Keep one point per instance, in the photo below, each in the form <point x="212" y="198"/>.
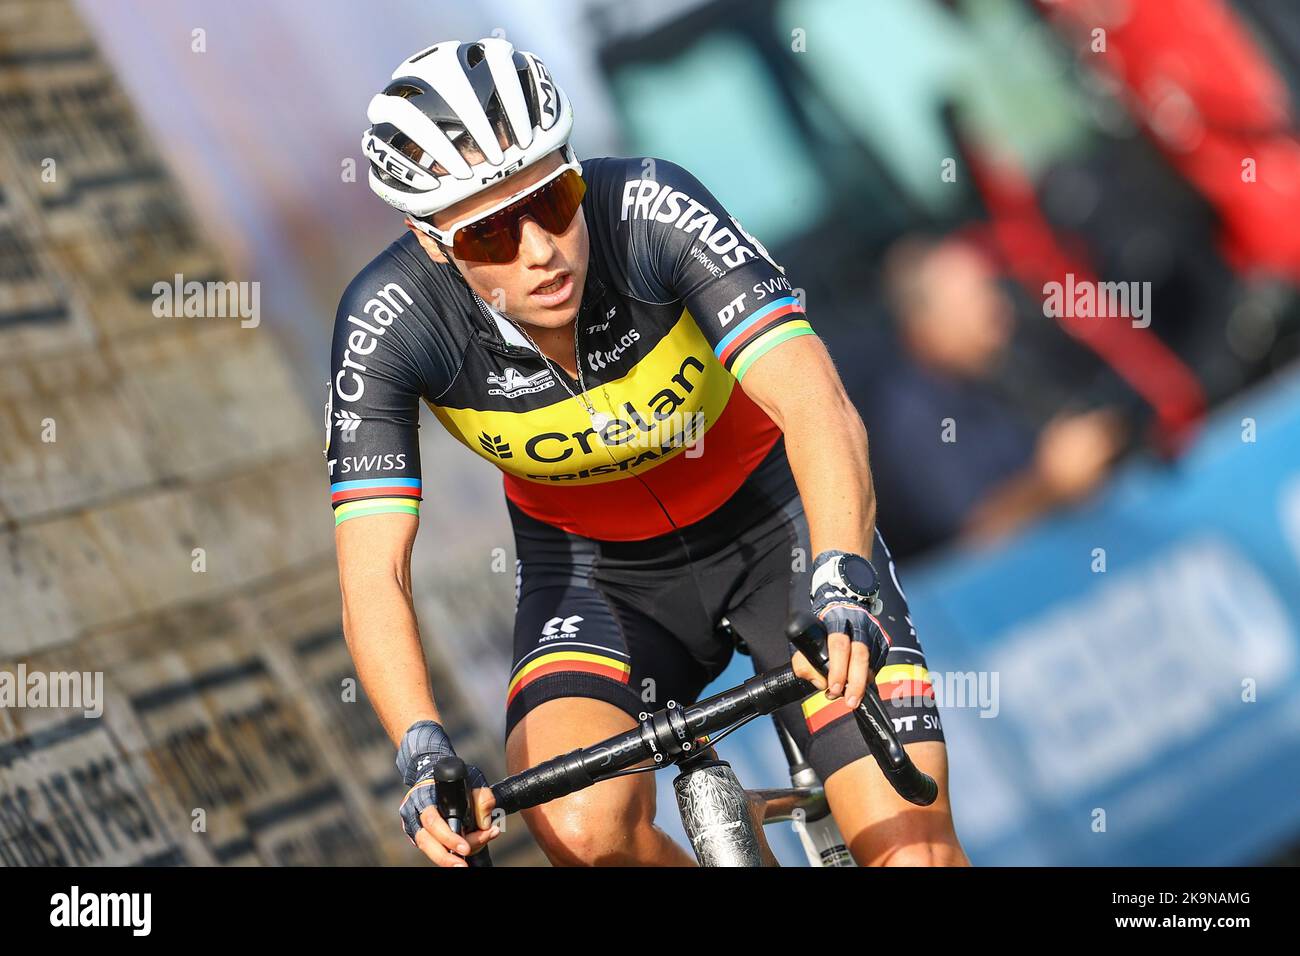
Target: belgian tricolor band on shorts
<point x="904" y="683"/>
<point x="567" y="661"/>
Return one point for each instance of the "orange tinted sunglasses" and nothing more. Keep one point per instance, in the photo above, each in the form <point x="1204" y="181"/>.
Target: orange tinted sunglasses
<point x="494" y="236"/>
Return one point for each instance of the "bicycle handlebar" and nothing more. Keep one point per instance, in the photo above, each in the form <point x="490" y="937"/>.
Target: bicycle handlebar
<point x="809" y="635"/>
<point x="672" y="732"/>
<point x="667" y="733"/>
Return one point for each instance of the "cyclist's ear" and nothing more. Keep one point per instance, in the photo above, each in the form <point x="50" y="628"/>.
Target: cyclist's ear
<point x="427" y="242"/>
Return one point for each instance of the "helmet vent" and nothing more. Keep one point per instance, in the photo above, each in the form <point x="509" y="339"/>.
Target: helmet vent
<point x="500" y="124"/>
<point x="408" y="147"/>
<point x="404" y="90"/>
<point x="530" y="96"/>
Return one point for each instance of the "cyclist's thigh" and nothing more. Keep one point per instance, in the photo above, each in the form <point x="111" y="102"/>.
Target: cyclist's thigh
<point x="825" y="729"/>
<point x="575" y="640"/>
<point x="586" y="665"/>
<point x="564" y="724"/>
<point x="609" y="824"/>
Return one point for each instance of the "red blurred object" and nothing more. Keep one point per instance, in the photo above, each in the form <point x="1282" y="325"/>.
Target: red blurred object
<point x="1033" y="255"/>
<point x="1214" y="105"/>
<point x="1219" y="112"/>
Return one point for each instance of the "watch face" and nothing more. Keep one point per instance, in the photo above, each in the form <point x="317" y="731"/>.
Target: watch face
<point x="858" y="574"/>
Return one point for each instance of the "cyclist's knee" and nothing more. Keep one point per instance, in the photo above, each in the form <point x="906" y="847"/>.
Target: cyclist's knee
<point x="930" y="852"/>
<point x="592" y="828"/>
<point x="610" y="824"/>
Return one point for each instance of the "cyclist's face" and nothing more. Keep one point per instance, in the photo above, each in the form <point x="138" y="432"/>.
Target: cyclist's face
<point x="543" y="284"/>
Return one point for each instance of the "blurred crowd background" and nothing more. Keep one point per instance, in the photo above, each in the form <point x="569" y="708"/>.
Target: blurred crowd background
<point x="1098" y="516"/>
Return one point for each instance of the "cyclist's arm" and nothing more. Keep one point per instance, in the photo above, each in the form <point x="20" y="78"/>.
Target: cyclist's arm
<point x="379" y="622"/>
<point x="373" y="457"/>
<point x="688" y="246"/>
<point x="825" y="442"/>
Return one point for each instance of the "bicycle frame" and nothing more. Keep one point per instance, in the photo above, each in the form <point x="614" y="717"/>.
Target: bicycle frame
<point x="723" y="824"/>
<point x="724" y="821"/>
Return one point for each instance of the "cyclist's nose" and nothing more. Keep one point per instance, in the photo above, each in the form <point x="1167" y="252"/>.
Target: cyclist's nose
<point x="536" y="245"/>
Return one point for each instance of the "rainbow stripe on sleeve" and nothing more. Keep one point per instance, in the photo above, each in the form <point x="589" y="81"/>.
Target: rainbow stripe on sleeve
<point x="767" y="328"/>
<point x="373" y="496"/>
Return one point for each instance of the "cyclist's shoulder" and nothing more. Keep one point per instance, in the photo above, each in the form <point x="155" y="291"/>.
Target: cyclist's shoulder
<point x="406" y="308"/>
<point x="405" y="273"/>
<point x="625" y="185"/>
<point x="637" y="209"/>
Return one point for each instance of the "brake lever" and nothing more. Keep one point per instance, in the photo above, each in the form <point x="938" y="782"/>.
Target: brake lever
<point x="808" y="635"/>
<point x="451" y="795"/>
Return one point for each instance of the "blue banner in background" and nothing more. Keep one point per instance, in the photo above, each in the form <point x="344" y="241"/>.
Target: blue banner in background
<point x="1118" y="685"/>
<point x="1146" y="706"/>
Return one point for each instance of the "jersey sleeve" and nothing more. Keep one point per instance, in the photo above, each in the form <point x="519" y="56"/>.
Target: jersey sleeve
<point x="684" y="245"/>
<point x="373" y="410"/>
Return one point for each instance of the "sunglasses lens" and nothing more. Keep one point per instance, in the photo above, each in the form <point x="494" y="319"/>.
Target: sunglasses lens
<point x="492" y="240"/>
<point x="555" y="206"/>
<point x="496" y="238"/>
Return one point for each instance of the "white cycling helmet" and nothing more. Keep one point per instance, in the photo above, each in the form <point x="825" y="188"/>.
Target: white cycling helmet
<point x="503" y="99"/>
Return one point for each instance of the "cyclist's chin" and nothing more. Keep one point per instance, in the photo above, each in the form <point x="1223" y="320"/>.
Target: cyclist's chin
<point x="549" y="318"/>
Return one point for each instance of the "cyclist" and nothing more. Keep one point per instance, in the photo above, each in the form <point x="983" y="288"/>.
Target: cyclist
<point x="674" y="440"/>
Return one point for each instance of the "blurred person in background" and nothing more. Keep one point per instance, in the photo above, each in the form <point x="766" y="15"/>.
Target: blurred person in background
<point x="952" y="456"/>
<point x="550" y="312"/>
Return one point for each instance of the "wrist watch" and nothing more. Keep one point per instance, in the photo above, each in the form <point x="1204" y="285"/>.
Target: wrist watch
<point x="850" y="573"/>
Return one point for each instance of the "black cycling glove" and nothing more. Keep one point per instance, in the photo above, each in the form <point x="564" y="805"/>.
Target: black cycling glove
<point x="423" y="745"/>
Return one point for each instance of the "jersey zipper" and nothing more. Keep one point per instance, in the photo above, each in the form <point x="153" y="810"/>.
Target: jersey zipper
<point x="491" y="337"/>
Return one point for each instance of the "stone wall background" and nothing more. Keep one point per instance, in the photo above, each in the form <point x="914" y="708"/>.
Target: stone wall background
<point x="163" y="521"/>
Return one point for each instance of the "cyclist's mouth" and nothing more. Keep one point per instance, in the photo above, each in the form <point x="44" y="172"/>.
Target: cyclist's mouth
<point x="556" y="292"/>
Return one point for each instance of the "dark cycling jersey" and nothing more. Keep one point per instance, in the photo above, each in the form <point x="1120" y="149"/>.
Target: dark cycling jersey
<point x="678" y="304"/>
<point x="635" y="535"/>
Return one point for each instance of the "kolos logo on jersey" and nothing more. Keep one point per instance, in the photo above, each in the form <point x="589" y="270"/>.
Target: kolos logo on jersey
<point x="561" y="627"/>
<point x="600" y="359"/>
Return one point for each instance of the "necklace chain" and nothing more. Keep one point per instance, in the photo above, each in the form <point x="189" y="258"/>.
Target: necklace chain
<point x="559" y="372"/>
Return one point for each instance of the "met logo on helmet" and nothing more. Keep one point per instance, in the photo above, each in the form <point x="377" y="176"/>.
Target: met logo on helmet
<point x="503" y="172"/>
<point x="546" y="87"/>
<point x="390" y="160"/>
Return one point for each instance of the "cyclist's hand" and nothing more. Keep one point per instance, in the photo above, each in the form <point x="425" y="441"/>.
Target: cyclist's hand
<point x="422" y="746"/>
<point x="850" y="659"/>
<point x="430" y="832"/>
<point x="848" y="670"/>
<point x="845" y="594"/>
